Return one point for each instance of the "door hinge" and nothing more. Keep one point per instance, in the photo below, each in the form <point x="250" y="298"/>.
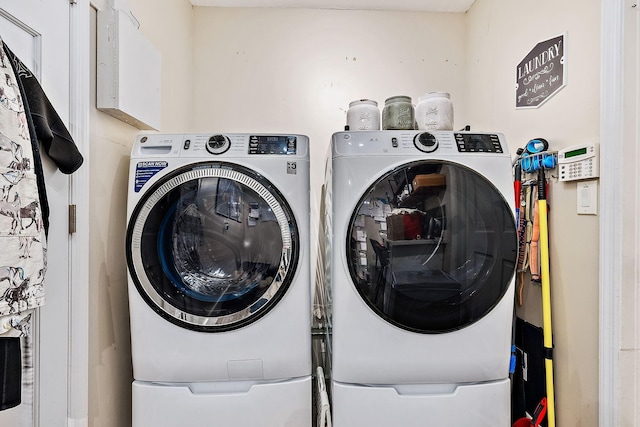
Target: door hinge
<point x="73" y="1"/>
<point x="72" y="219"/>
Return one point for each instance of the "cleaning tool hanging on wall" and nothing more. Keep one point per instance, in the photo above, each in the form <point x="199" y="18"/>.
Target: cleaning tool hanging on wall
<point x="534" y="161"/>
<point x="538" y="416"/>
<point x="534" y="250"/>
<point x="521" y="227"/>
<point x="536" y="145"/>
<point x="533" y="158"/>
<point x="517" y="186"/>
<point x="546" y="296"/>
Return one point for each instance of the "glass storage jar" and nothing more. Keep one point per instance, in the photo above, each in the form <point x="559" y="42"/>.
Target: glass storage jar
<point x="398" y="113"/>
<point x="434" y="111"/>
<point x="363" y="114"/>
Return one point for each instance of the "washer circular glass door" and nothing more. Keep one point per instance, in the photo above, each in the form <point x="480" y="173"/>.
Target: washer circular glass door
<point x="212" y="246"/>
<point x="432" y="246"/>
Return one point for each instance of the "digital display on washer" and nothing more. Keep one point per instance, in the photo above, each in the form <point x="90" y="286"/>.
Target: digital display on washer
<point x="272" y="144"/>
<point x="478" y="143"/>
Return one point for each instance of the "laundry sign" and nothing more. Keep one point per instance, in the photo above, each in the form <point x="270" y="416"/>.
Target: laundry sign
<point x="541" y="73"/>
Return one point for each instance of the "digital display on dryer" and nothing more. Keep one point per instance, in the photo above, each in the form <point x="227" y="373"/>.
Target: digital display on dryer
<point x="478" y="143"/>
<point x="272" y="144"/>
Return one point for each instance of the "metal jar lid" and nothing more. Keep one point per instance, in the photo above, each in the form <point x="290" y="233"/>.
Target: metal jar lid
<point x="434" y="95"/>
<point x="363" y="101"/>
<point x="398" y="98"/>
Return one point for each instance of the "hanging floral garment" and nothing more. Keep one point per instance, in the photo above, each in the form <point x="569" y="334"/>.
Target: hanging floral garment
<point x="26" y="119"/>
<point x="22" y="237"/>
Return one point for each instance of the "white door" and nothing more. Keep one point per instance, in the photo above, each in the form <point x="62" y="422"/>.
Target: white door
<point x="37" y="31"/>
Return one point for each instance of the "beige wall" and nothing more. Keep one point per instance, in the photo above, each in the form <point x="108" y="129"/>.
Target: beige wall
<point x="499" y="34"/>
<point x="166" y="24"/>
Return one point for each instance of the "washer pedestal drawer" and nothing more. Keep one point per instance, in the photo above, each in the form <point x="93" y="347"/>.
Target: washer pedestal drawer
<point x="286" y="403"/>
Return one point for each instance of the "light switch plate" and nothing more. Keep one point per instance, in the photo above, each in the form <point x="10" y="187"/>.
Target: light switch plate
<point x="587" y="197"/>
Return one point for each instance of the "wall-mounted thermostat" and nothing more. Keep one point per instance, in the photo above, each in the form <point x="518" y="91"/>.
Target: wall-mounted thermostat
<point x="578" y="162"/>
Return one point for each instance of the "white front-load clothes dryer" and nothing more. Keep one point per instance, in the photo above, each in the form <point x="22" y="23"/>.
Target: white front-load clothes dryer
<point x="219" y="282"/>
<point x="423" y="254"/>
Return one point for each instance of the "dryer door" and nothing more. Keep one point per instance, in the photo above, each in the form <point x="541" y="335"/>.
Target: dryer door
<point x="432" y="246"/>
<point x="212" y="247"/>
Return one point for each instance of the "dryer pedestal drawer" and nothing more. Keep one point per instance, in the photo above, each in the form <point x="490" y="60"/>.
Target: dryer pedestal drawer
<point x="477" y="405"/>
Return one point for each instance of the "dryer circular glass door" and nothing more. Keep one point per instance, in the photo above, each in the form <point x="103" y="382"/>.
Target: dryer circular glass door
<point x="212" y="247"/>
<point x="432" y="246"/>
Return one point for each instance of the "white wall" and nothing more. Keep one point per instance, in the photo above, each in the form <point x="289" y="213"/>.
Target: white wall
<point x="166" y="23"/>
<point x="499" y="34"/>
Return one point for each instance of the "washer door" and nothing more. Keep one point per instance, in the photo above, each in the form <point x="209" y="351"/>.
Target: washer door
<point x="432" y="246"/>
<point x="212" y="247"/>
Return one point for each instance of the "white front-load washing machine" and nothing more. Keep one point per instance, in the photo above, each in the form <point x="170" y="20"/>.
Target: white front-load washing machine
<point x="219" y="283"/>
<point x="423" y="254"/>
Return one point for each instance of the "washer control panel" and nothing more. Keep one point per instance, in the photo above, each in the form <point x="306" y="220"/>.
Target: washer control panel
<point x="210" y="145"/>
<point x="272" y="144"/>
<point x="217" y="144"/>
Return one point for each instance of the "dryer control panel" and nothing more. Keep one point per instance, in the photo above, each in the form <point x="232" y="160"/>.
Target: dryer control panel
<point x="432" y="142"/>
<point x="478" y="143"/>
<point x="466" y="142"/>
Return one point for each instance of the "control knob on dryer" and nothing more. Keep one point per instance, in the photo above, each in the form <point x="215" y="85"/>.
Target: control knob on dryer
<point x="425" y="142"/>
<point x="218" y="144"/>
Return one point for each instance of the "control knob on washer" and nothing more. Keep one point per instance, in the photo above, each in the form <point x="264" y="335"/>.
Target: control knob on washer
<point x="425" y="142"/>
<point x="218" y="144"/>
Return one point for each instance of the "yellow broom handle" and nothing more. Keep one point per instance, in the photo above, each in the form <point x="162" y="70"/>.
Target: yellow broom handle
<point x="546" y="311"/>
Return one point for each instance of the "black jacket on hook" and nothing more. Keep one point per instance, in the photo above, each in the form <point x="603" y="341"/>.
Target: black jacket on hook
<point x="46" y="128"/>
